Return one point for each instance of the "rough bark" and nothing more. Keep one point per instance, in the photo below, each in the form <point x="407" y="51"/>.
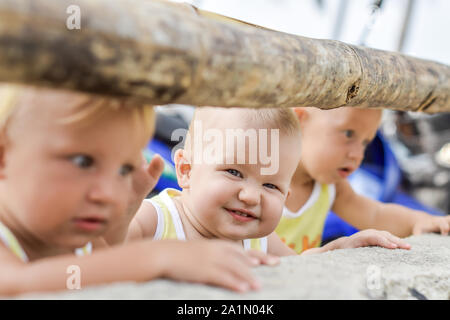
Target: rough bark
<point x="161" y="53"/>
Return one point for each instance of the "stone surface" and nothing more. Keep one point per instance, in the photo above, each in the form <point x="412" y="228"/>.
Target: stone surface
<point x="363" y="273"/>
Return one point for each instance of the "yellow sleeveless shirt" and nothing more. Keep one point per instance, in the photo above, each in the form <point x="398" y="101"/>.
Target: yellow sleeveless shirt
<point x="11" y="242"/>
<point x="303" y="229"/>
<point x="169" y="222"/>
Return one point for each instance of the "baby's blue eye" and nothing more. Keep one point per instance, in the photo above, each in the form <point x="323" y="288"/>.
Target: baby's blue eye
<point x="349" y="133"/>
<point x="270" y="186"/>
<point x="234" y="173"/>
<point x="126" y="169"/>
<point x="82" y="161"/>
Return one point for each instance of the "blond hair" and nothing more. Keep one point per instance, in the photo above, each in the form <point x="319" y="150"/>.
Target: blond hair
<point x="89" y="108"/>
<point x="283" y="119"/>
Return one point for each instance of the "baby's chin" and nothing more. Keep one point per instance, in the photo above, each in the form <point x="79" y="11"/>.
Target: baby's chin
<point x="75" y="243"/>
<point x="252" y="235"/>
<point x="328" y="179"/>
<point x="235" y="236"/>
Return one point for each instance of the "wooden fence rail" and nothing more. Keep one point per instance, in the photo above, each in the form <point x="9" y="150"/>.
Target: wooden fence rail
<point x="162" y="52"/>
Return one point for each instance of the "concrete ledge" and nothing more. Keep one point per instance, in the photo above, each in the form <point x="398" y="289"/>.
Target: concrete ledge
<point x="364" y="273"/>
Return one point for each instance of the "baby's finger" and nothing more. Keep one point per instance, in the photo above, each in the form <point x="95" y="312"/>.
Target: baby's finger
<point x="230" y="281"/>
<point x="241" y="271"/>
<point x="383" y="241"/>
<point x="400" y="243"/>
<point x="237" y="252"/>
<point x="263" y="258"/>
<point x="444" y="226"/>
<point x="156" y="167"/>
<point x="380" y="238"/>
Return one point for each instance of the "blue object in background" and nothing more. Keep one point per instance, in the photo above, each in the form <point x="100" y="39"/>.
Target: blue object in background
<point x="378" y="178"/>
<point x="168" y="178"/>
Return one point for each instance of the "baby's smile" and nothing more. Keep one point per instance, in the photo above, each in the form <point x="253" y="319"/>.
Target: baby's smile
<point x="242" y="215"/>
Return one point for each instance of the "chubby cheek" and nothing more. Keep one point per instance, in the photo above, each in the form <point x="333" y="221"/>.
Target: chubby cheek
<point x="273" y="209"/>
<point x="211" y="195"/>
<point x="48" y="195"/>
<point x="61" y="199"/>
<point x="315" y="167"/>
<point x="323" y="166"/>
<point x="311" y="157"/>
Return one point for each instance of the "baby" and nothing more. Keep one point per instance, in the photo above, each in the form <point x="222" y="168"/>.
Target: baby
<point x="70" y="165"/>
<point x="333" y="145"/>
<point x="232" y="187"/>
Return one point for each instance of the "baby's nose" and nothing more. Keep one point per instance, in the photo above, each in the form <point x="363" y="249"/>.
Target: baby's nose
<point x="357" y="153"/>
<point x="250" y="196"/>
<point x="107" y="191"/>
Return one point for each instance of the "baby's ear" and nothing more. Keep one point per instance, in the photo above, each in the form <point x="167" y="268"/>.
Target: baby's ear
<point x="300" y="112"/>
<point x="183" y="168"/>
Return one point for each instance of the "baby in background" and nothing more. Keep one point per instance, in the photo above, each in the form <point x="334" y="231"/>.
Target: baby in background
<point x="333" y="145"/>
<point x="232" y="187"/>
<point x="71" y="170"/>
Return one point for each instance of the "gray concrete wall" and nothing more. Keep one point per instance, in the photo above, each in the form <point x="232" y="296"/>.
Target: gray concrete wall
<point x="362" y="273"/>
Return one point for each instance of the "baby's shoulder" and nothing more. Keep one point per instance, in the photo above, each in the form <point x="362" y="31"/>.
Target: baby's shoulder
<point x="145" y="221"/>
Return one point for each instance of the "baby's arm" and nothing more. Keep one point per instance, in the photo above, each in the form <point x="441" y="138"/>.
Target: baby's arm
<point x="365" y="213"/>
<point x="277" y="247"/>
<point x="364" y="238"/>
<point x="144" y="223"/>
<point x="200" y="261"/>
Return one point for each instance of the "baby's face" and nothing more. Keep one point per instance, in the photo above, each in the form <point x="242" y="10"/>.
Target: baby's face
<point x="67" y="183"/>
<point x="232" y="200"/>
<point x="334" y="141"/>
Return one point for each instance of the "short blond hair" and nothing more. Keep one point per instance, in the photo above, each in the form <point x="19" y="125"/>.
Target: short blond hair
<point x="283" y="119"/>
<point x="89" y="107"/>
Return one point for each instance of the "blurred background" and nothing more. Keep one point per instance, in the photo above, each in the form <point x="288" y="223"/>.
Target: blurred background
<point x="409" y="161"/>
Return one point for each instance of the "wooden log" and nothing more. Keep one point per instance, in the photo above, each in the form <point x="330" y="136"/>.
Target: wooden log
<point x="161" y="52"/>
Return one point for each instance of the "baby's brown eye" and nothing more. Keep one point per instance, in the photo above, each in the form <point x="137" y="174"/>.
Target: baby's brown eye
<point x="82" y="161"/>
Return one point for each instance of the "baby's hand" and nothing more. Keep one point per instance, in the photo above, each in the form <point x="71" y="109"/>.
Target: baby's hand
<point x="260" y="257"/>
<point x="363" y="238"/>
<point x="432" y="224"/>
<point x="371" y="237"/>
<point x="213" y="262"/>
<point x="144" y="180"/>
